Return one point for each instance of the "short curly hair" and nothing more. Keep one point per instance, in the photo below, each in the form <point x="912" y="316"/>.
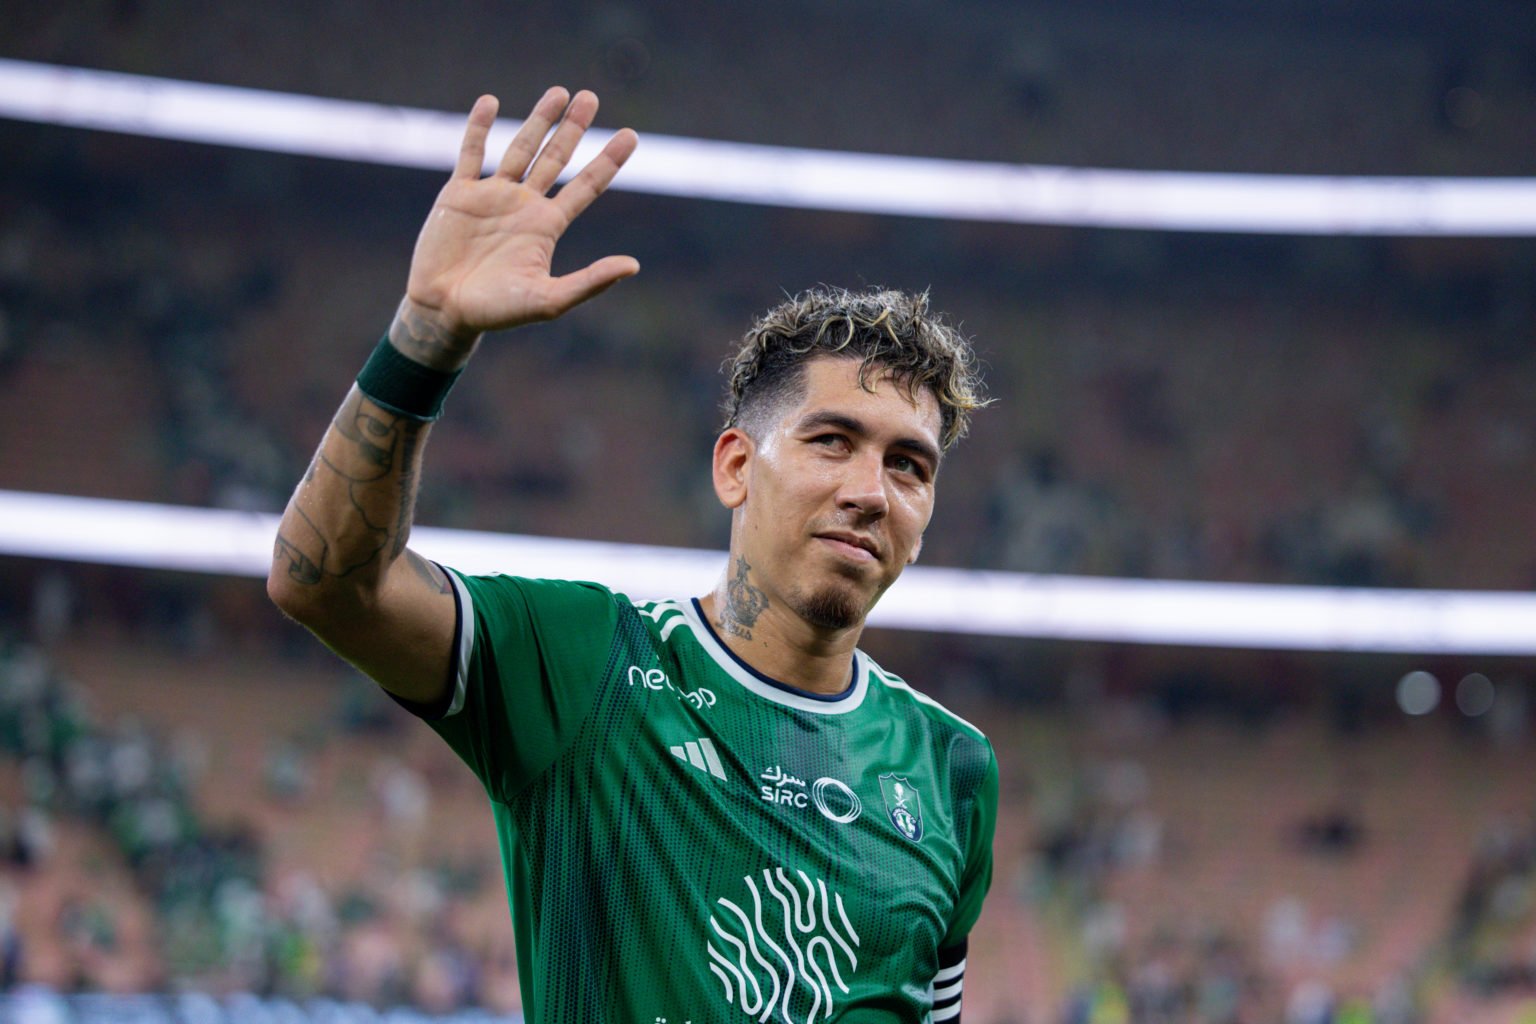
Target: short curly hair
<point x="892" y="331"/>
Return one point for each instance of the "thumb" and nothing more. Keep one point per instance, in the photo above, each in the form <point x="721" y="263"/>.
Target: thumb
<point x="580" y="285"/>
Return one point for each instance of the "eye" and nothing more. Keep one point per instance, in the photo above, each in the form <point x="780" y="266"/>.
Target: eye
<point x="907" y="464"/>
<point x="828" y="440"/>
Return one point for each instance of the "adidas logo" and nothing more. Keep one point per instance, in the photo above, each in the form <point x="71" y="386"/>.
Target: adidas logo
<point x="701" y="754"/>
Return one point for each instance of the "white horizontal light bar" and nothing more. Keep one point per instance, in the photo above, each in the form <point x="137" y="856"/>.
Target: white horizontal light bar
<point x="944" y="600"/>
<point x="781" y="176"/>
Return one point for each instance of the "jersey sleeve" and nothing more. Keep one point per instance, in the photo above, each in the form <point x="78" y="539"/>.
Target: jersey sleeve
<point x="976" y="875"/>
<point x="528" y="659"/>
<point x="949" y="984"/>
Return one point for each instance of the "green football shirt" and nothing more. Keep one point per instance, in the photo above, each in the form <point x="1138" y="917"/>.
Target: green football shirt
<point x="687" y="840"/>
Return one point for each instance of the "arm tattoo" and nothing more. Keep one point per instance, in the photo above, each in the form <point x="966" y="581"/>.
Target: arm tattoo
<point x="375" y="439"/>
<point x="743" y="603"/>
<point x="407" y="490"/>
<point x="372" y="455"/>
<point x="427" y="342"/>
<point x="301" y="568"/>
<point x="368" y="432"/>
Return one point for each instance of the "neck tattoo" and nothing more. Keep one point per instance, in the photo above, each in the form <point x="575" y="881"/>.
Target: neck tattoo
<point x="743" y="604"/>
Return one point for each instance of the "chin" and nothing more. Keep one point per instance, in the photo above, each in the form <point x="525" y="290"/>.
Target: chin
<point x="831" y="607"/>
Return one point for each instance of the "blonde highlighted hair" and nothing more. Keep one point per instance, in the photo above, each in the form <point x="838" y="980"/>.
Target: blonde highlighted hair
<point x="891" y="332"/>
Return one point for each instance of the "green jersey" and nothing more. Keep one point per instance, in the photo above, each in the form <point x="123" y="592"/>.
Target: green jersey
<point x="687" y="840"/>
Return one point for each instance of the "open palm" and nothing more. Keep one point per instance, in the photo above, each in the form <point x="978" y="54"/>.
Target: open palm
<point x="483" y="259"/>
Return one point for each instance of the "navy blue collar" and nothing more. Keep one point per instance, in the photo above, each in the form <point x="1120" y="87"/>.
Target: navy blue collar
<point x="829" y="698"/>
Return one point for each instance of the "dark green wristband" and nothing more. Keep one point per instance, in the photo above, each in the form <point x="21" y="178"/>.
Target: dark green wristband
<point x="402" y="385"/>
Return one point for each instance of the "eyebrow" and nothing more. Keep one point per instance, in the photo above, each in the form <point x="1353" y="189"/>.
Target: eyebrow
<point x="829" y="418"/>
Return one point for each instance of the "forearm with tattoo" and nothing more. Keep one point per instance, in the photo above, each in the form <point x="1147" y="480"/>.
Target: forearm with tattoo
<point x="340" y="564"/>
<point x="425" y="340"/>
<point x="352" y="513"/>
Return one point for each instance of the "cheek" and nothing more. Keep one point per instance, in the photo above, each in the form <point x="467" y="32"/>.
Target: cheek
<point x="916" y="510"/>
<point x="779" y="502"/>
<point x="801" y="483"/>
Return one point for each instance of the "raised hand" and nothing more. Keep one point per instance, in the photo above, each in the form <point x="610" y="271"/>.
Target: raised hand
<point x="483" y="259"/>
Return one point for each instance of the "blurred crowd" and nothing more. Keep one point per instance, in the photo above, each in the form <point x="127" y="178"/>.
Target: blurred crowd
<point x="115" y="879"/>
<point x="1162" y="858"/>
<point x="179" y="321"/>
<point x="182" y="320"/>
<point x="1368" y="87"/>
<point x="1246" y="434"/>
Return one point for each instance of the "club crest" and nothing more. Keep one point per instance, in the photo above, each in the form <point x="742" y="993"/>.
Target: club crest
<point x="903" y="805"/>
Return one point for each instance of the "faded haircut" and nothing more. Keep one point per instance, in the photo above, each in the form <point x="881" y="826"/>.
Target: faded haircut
<point x="888" y="332"/>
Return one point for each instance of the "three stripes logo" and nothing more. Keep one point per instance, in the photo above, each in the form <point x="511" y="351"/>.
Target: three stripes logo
<point x="701" y="754"/>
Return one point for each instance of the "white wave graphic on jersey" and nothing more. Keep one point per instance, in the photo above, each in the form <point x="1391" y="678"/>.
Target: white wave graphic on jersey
<point x="786" y="951"/>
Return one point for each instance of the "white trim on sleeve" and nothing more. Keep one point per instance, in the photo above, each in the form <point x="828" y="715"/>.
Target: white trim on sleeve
<point x="466" y="632"/>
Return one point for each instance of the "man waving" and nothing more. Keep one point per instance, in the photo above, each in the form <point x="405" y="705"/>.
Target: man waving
<point x="711" y="808"/>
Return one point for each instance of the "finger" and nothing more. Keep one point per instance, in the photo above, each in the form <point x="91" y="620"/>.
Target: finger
<point x="519" y="154"/>
<point x="578" y="286"/>
<point x="472" y="150"/>
<point x="557" y="152"/>
<point x="595" y="178"/>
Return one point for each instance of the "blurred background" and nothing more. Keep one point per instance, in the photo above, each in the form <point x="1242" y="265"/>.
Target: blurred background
<point x="204" y="815"/>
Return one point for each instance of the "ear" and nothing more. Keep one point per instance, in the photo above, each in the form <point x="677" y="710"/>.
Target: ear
<point x="733" y="454"/>
<point x="916" y="550"/>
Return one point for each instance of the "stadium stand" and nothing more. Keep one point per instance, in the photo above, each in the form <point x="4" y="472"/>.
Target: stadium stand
<point x="193" y="802"/>
<point x="320" y="845"/>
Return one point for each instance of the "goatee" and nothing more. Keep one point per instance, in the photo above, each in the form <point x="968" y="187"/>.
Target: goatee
<point x="830" y="608"/>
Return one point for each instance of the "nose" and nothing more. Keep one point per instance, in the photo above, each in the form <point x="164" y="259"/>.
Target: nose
<point x="863" y="487"/>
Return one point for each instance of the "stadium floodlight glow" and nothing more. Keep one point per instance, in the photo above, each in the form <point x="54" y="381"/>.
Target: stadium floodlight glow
<point x="782" y="176"/>
<point x="943" y="600"/>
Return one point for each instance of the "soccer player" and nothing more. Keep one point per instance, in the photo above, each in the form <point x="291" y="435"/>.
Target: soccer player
<point x="714" y="809"/>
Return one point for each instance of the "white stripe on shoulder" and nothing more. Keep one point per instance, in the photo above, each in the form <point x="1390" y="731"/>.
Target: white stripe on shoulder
<point x="466" y="644"/>
<point x="948" y="991"/>
<point x="898" y="683"/>
<point x="946" y="1013"/>
<point x="657" y="609"/>
<point x="953" y="971"/>
<point x="666" y="614"/>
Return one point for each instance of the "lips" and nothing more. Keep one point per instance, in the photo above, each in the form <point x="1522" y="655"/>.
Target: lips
<point x="855" y="541"/>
